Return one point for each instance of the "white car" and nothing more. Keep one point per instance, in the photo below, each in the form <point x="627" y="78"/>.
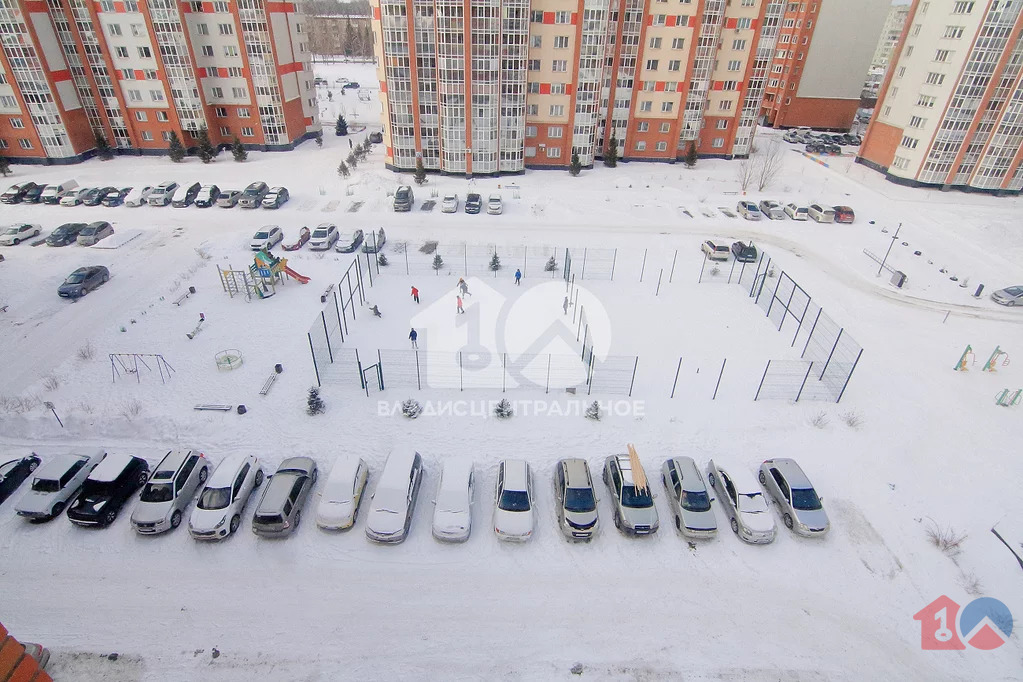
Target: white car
<point x="74" y="197"/>
<point x="342" y="493"/>
<point x="324" y="237"/>
<point x="55" y="483"/>
<point x="772" y="210"/>
<point x="138" y="196"/>
<point x="821" y="214"/>
<point x="218" y="512"/>
<point x="748" y="210"/>
<point x="267" y="236"/>
<point x="513" y="503"/>
<point x="688" y="498"/>
<point x="169" y="491"/>
<point x="390" y="513"/>
<point x="452" y="515"/>
<point x="744" y="503"/>
<point x="796" y="212"/>
<point x="340" y="81"/>
<point x="494" y="205"/>
<point x="449" y="204"/>
<point x="15" y="234"/>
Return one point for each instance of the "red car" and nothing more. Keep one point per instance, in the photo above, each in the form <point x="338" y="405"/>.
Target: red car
<point x="844" y="214"/>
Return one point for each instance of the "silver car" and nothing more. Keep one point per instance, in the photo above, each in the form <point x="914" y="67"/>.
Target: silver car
<point x="801" y="508"/>
<point x="393" y="503"/>
<point x="93" y="232"/>
<point x="55" y="484"/>
<point x="634" y="512"/>
<point x="218" y="512"/>
<point x="1009" y="295"/>
<point x="688" y="498"/>
<point x="169" y="491"/>
<point x="744" y="504"/>
<point x="280" y="509"/>
<point x="576" y="499"/>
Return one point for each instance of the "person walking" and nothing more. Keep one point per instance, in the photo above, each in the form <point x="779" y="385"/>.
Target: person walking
<point x="415" y="294"/>
<point x="413" y="335"/>
<point x="518" y="277"/>
<point x="460" y="309"/>
<point x="349" y="143"/>
<point x="463" y="287"/>
<point x="565" y="305"/>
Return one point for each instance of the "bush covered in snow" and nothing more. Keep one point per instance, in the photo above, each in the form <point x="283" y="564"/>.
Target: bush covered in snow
<point x="314" y="403"/>
<point x="411" y="408"/>
<point x="503" y="409"/>
<point x="593" y="411"/>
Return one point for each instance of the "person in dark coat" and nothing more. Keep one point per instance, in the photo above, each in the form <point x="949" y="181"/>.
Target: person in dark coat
<point x="565" y="305"/>
<point x="413" y="335"/>
<point x="518" y="277"/>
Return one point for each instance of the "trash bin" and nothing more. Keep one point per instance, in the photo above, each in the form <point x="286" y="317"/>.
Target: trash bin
<point x="898" y="278"/>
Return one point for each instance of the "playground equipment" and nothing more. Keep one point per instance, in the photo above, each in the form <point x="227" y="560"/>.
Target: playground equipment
<point x="129" y="364"/>
<point x="996" y="355"/>
<point x="268" y="384"/>
<point x="262" y="277"/>
<point x="229" y="359"/>
<point x="183" y="297"/>
<point x="278" y="267"/>
<point x="303" y="237"/>
<point x="1006" y="398"/>
<point x="214" y="408"/>
<point x="967" y="355"/>
<point x="198" y="328"/>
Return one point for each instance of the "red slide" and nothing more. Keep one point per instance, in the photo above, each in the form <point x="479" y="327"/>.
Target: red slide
<point x="294" y="275"/>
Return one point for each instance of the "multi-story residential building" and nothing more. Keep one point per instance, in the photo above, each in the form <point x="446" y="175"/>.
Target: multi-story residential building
<point x="134" y="71"/>
<point x="519" y="84"/>
<point x="890" y="34"/>
<point x="821" y="60"/>
<point x="950" y="112"/>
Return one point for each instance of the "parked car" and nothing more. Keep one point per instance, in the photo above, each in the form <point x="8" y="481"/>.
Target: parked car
<point x="800" y="507"/>
<point x="82" y="281"/>
<point x="791" y="136"/>
<point x="169" y="491"/>
<point x="15" y="234"/>
<point x="452" y="512"/>
<point x="93" y="232"/>
<point x="715" y="251"/>
<point x="576" y="499"/>
<point x="280" y="508"/>
<point x="844" y="214"/>
<point x="207" y="196"/>
<point x="403" y="199"/>
<point x="76" y="196"/>
<point x="138" y="196"/>
<point x="393" y="503"/>
<point x="350" y="242"/>
<point x="847" y="139"/>
<point x="513" y="502"/>
<point x="162" y="194"/>
<point x="688" y="498"/>
<point x="376" y="137"/>
<point x="16" y="193"/>
<point x="55" y="483"/>
<point x="796" y="212"/>
<point x="494" y="205"/>
<point x="374" y="241"/>
<point x="743" y="252"/>
<point x="821" y="214"/>
<point x="229" y="198"/>
<point x="95" y="197"/>
<point x="107" y="488"/>
<point x="814" y="148"/>
<point x="65" y="234"/>
<point x="340" y="81"/>
<point x="632" y="505"/>
<point x="342" y="493"/>
<point x="1010" y="296"/>
<point x="253" y="195"/>
<point x="266" y="238"/>
<point x="185" y="195"/>
<point x="351" y="85"/>
<point x="748" y="210"/>
<point x="276" y="197"/>
<point x="772" y="209"/>
<point x="449" y="204"/>
<point x="473" y="203"/>
<point x="34" y="194"/>
<point x="324" y="237"/>
<point x="855" y="139"/>
<point x="14" y="473"/>
<point x="744" y="504"/>
<point x="116" y="198"/>
<point x="54" y="193"/>
<point x="218" y="511"/>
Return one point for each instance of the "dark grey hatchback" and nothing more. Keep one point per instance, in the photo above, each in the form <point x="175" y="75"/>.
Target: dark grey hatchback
<point x="83" y="280"/>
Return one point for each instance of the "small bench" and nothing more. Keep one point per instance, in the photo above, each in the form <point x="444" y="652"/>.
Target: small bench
<point x="215" y="408"/>
<point x="183" y="297"/>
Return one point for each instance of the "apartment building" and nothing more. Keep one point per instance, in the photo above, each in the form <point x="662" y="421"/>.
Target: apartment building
<point x="134" y="71"/>
<point x="823" y="55"/>
<point x="891" y="32"/>
<point x="950" y="112"/>
<point x="516" y="84"/>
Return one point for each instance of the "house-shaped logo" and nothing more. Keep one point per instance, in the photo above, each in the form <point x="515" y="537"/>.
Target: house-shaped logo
<point x="984" y="623"/>
<point x="938" y="625"/>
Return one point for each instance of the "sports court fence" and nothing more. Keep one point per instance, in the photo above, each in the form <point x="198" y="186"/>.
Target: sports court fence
<point x="331" y="326"/>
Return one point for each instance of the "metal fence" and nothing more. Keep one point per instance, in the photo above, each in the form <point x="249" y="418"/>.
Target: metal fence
<point x="330" y="327"/>
<point x="592" y="263"/>
<point x="420" y="258"/>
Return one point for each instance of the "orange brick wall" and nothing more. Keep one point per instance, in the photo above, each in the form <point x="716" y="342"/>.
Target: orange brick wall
<point x="15" y="666"/>
<point x="818" y="112"/>
<point x="880" y="143"/>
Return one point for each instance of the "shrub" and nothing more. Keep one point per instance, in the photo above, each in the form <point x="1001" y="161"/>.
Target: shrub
<point x="87" y="351"/>
<point x="314" y="403"/>
<point x="411" y="408"/>
<point x="593" y="411"/>
<point x="503" y="409"/>
<point x="819" y="420"/>
<point x="947" y="539"/>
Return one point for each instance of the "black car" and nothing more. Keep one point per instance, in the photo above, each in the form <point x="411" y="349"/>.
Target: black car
<point x="83" y="280"/>
<point x="116" y="198"/>
<point x="14" y="473"/>
<point x="354" y="85"/>
<point x="833" y="149"/>
<point x="376" y="137"/>
<point x="34" y="194"/>
<point x="473" y="203"/>
<point x="15" y="194"/>
<point x="95" y="195"/>
<point x="107" y="488"/>
<point x="65" y="234"/>
<point x="744" y="253"/>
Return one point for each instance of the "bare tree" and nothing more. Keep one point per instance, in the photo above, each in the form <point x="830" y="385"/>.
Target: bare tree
<point x="745" y="172"/>
<point x="770" y="165"/>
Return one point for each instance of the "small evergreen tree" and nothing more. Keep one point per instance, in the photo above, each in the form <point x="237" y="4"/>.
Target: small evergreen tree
<point x="359" y="152"/>
<point x="314" y="403"/>
<point x="420" y="174"/>
<point x="367" y="145"/>
<point x="382" y="260"/>
<point x="593" y="411"/>
<point x="495" y="262"/>
<point x="353" y="160"/>
<point x="611" y="155"/>
<point x="238" y="151"/>
<point x="438" y="263"/>
<point x="175" y="149"/>
<point x="103" y="149"/>
<point x="575" y="166"/>
<point x="411" y="408"/>
<point x="503" y="409"/>
<point x="691" y="155"/>
<point x="5" y="167"/>
<point x="341" y="127"/>
<point x="343" y="170"/>
<point x="207" y="152"/>
<point x="319" y="138"/>
<point x="551" y="266"/>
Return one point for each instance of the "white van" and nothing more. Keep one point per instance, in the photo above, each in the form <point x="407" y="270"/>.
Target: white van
<point x="53" y="193"/>
<point x="821" y="214"/>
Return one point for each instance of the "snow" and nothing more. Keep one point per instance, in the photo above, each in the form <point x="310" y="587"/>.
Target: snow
<point x="930" y="443"/>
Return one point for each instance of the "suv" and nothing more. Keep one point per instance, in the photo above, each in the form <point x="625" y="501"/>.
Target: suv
<point x="162" y="193"/>
<point x="576" y="499"/>
<point x="218" y="512"/>
<point x="801" y="508"/>
<point x="169" y="490"/>
<point x="252" y="196"/>
<point x="473" y="203"/>
<point x="280" y="509"/>
<point x="277" y="197"/>
<point x="821" y="214"/>
<point x="390" y="512"/>
<point x="844" y="214"/>
<point x="324" y="237"/>
<point x="55" y="483"/>
<point x="403" y="199"/>
<point x="715" y="251"/>
<point x="634" y="512"/>
<point x="744" y="253"/>
<point x="207" y="196"/>
<point x="688" y="498"/>
<point x="107" y="488"/>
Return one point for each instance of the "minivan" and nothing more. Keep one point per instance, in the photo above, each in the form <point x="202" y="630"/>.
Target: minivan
<point x="821" y="214"/>
<point x="403" y="199"/>
<point x="280" y="508"/>
<point x="162" y="193"/>
<point x="744" y="253"/>
<point x="53" y="193"/>
<point x="184" y="196"/>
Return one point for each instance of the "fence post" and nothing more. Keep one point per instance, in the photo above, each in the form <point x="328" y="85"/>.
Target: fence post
<point x="659" y="275"/>
<point x="460" y="370"/>
<point x="675" y="382"/>
<point x="589" y="375"/>
<point x="582" y="274"/>
<point x="762" y="281"/>
<point x="805" y="377"/>
<point x="548" y="389"/>
<point x="642" y="268"/>
<point x="849" y="376"/>
<point x="504" y="372"/>
<point x="819" y="311"/>
<point x="632" y="383"/>
<point x="337" y="311"/>
<point x="757" y="396"/>
<point x="323" y="318"/>
<point x="672" y="274"/>
<point x="614" y="259"/>
<point x="837" y="338"/>
<point x="702" y="267"/>
<point x="351" y="295"/>
<point x="801" y="318"/>
<point x="419" y="376"/>
<point x="788" y="303"/>
<point x="525" y="252"/>
<point x="313" y="353"/>
<point x="362" y="285"/>
<point x="774" y="297"/>
<point x="406" y="258"/>
<point x="731" y="270"/>
<point x="380" y="369"/>
<point x="586" y="333"/>
<point x="715" y="396"/>
<point x="369" y="269"/>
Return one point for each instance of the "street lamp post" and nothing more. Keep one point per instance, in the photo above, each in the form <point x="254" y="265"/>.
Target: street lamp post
<point x="894" y="237"/>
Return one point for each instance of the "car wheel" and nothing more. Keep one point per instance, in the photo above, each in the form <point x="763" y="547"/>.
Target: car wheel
<point x="788" y="521"/>
<point x="259" y="478"/>
<point x="236" y="521"/>
<point x="664" y="482"/>
<point x="763" y="479"/>
<point x="143" y="477"/>
<point x="735" y="526"/>
<point x="57" y="509"/>
<point x="176" y="518"/>
<point x="1012" y="303"/>
<point x="710" y="479"/>
<point x="678" y="522"/>
<point x="33" y="466"/>
<point x="603" y="475"/>
<point x="109" y="517"/>
<point x="203" y="475"/>
<point x="84" y="291"/>
<point x="617" y="520"/>
<point x="106" y="278"/>
<point x="15" y="242"/>
<point x="298" y="518"/>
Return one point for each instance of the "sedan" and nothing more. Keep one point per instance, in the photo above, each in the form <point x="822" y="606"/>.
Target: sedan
<point x="95" y="197"/>
<point x="748" y="210"/>
<point x="34" y="194"/>
<point x="65" y="234"/>
<point x="513" y="503"/>
<point x="76" y="196"/>
<point x="350" y="242"/>
<point x="772" y="210"/>
<point x="576" y="499"/>
<point x="452" y="513"/>
<point x="473" y="203"/>
<point x="390" y="512"/>
<point x="14" y="473"/>
<point x="229" y="198"/>
<point x="82" y="281"/>
<point x="93" y="232"/>
<point x="138" y="196"/>
<point x="1011" y="296"/>
<point x="116" y="198"/>
<point x="15" y="194"/>
<point x="266" y="238"/>
<point x="277" y="197"/>
<point x="449" y="204"/>
<point x="688" y="498"/>
<point x="207" y="196"/>
<point x="55" y="484"/>
<point x="342" y="493"/>
<point x="801" y="508"/>
<point x="796" y="212"/>
<point x="15" y="234"/>
<point x="323" y="237"/>
<point x="494" y="205"/>
<point x="744" y="504"/>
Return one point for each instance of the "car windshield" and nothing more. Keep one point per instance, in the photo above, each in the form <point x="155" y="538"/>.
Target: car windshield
<point x="721" y="248"/>
<point x="449" y="197"/>
<point x="46" y="485"/>
<point x="318" y="234"/>
<point x="805" y="499"/>
<point x="401" y="194"/>
<point x="97" y="488"/>
<point x="452" y="501"/>
<point x="695" y="501"/>
<point x="214" y="498"/>
<point x="514" y="501"/>
<point x="87" y="231"/>
<point x="579" y="500"/>
<point x="1014" y="291"/>
<point x="752" y="502"/>
<point x="75" y="278"/>
<point x="640" y="499"/>
<point x="261" y="235"/>
<point x="251" y="191"/>
<point x="157" y="492"/>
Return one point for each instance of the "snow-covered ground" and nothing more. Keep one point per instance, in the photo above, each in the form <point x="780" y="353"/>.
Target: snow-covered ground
<point x="930" y="446"/>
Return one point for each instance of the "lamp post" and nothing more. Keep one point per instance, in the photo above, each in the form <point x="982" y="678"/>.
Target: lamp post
<point x="894" y="237"/>
<point x="48" y="405"/>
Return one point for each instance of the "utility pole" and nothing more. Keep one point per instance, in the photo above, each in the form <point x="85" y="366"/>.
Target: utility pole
<point x="894" y="237"/>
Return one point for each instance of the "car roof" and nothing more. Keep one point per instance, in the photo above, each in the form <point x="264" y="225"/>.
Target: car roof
<point x="456" y="474"/>
<point x="276" y="189"/>
<point x="301" y="464"/>
<point x="225" y="473"/>
<point x="575" y="473"/>
<point x="743" y="480"/>
<point x="690" y="473"/>
<point x="792" y="472"/>
<point x="54" y="466"/>
<point x="515" y="474"/>
<point x="111" y="467"/>
<point x="171" y="464"/>
<point x="278" y="490"/>
<point x="343" y="471"/>
<point x="396" y="470"/>
<point x="327" y="225"/>
<point x="625" y="464"/>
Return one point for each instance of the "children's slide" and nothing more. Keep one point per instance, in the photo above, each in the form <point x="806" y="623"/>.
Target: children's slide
<point x="294" y="275"/>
